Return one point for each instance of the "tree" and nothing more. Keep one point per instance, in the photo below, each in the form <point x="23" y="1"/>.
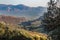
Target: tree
<point x="50" y="20"/>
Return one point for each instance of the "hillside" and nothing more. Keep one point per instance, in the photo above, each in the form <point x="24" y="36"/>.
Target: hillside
<point x="12" y="19"/>
<point x="33" y="25"/>
<point x="12" y="33"/>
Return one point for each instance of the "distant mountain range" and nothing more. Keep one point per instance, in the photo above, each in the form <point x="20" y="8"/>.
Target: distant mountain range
<point x="21" y="10"/>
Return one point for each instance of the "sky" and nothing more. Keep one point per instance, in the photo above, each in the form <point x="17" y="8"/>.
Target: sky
<point x="31" y="3"/>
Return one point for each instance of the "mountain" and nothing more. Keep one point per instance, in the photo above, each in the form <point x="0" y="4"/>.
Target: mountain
<point x="21" y="10"/>
<point x="12" y="19"/>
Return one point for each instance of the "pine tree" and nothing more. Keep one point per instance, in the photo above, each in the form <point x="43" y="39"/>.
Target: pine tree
<point x="50" y="20"/>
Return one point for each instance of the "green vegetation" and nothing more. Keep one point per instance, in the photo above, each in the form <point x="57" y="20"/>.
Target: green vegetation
<point x="15" y="33"/>
<point x="51" y="21"/>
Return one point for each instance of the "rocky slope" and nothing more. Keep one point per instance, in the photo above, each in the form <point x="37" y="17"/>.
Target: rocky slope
<point x="12" y="19"/>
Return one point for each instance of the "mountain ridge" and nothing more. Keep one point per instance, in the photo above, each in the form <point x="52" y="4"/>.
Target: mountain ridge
<point x="21" y="10"/>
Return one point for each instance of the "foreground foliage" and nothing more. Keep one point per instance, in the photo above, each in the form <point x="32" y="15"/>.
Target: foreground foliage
<point x="15" y="33"/>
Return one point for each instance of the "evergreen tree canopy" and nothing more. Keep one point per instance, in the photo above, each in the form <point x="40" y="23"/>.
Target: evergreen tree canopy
<point x="51" y="21"/>
<point x="51" y="18"/>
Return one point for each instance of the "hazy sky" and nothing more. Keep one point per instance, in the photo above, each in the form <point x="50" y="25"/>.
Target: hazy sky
<point x="32" y="3"/>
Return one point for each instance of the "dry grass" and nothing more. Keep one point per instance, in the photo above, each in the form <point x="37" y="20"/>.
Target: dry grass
<point x="17" y="33"/>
